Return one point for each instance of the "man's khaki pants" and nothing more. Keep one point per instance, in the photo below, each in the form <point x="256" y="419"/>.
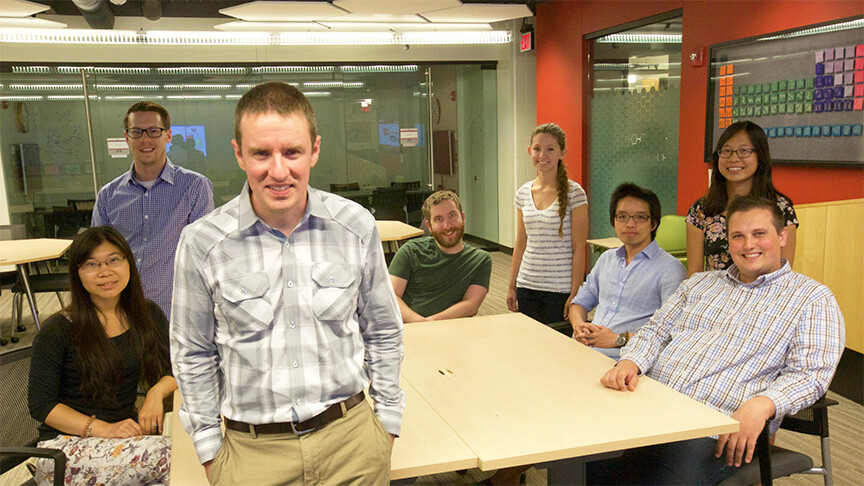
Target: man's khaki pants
<point x="354" y="449"/>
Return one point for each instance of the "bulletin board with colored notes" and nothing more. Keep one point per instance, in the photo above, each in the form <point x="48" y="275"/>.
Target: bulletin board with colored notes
<point x="805" y="88"/>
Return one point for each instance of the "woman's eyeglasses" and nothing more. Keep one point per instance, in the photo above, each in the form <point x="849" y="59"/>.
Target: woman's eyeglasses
<point x="92" y="266"/>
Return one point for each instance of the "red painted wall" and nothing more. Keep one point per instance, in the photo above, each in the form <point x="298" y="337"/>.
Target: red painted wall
<point x="562" y="94"/>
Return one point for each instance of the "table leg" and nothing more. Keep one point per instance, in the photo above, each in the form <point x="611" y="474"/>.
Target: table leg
<point x="25" y="281"/>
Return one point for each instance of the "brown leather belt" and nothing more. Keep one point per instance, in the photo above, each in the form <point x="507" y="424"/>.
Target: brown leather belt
<point x="333" y="412"/>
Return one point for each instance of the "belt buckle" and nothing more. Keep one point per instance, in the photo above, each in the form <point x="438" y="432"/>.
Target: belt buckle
<point x="300" y="432"/>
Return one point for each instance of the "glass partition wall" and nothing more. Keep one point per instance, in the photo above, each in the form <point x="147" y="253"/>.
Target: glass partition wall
<point x="634" y="116"/>
<point x="373" y="122"/>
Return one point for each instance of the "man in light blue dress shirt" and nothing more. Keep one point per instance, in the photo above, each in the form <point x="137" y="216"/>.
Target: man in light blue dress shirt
<point x="628" y="284"/>
<point x="153" y="201"/>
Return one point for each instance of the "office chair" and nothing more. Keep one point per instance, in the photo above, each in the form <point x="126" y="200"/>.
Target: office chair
<point x="777" y="462"/>
<point x="414" y="201"/>
<point x="388" y="203"/>
<point x="672" y="236"/>
<point x="350" y="186"/>
<point x="19" y="431"/>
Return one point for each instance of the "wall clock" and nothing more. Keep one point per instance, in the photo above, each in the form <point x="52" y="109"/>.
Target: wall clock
<point x="22" y="117"/>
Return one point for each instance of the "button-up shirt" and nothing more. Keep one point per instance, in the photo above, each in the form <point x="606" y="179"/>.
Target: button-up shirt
<point x="722" y="341"/>
<point x="268" y="328"/>
<point x="627" y="295"/>
<point x="151" y="221"/>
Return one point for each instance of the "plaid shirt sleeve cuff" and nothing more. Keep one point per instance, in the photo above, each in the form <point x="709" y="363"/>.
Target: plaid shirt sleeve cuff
<point x="207" y="443"/>
<point x="391" y="414"/>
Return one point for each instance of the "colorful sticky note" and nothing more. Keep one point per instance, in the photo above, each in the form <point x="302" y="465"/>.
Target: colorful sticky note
<point x="799" y="83"/>
<point x="799" y="108"/>
<point x="722" y="70"/>
<point x="836" y="130"/>
<point x="838" y="91"/>
<point x="856" y="130"/>
<point x="818" y="82"/>
<point x="848" y="105"/>
<point x="808" y="107"/>
<point x="722" y="101"/>
<point x="828" y="68"/>
<point x="859" y="63"/>
<point x="838" y="78"/>
<point x="799" y="131"/>
<point x="730" y="81"/>
<point x="805" y="131"/>
<point x="808" y="95"/>
<point x="849" y="65"/>
<point x="818" y="107"/>
<point x="809" y="83"/>
<point x="829" y="54"/>
<point x="858" y="104"/>
<point x="781" y="109"/>
<point x="820" y="56"/>
<point x="850" y="51"/>
<point x="859" y="90"/>
<point x="826" y="130"/>
<point x="728" y="101"/>
<point x="838" y="66"/>
<point x="859" y="77"/>
<point x="847" y="130"/>
<point x="859" y="50"/>
<point x="730" y="69"/>
<point x="782" y="98"/>
<point x="828" y="80"/>
<point x="780" y="132"/>
<point x="728" y="112"/>
<point x="817" y="131"/>
<point x="848" y="77"/>
<point x="848" y="91"/>
<point x="839" y="52"/>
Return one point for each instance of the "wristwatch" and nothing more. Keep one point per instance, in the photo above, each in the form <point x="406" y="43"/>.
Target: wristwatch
<point x="622" y="339"/>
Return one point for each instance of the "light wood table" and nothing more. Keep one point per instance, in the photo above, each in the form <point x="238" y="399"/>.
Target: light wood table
<point x="22" y="252"/>
<point x="426" y="445"/>
<point x="518" y="392"/>
<point x="393" y="232"/>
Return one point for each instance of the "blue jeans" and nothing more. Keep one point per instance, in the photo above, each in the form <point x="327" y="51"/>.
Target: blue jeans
<point x="690" y="462"/>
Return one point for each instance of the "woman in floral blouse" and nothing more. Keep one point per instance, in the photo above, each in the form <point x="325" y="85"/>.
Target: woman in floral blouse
<point x="740" y="166"/>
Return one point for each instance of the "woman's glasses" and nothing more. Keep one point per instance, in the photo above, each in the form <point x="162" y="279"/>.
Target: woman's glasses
<point x="92" y="266"/>
<point x="743" y="153"/>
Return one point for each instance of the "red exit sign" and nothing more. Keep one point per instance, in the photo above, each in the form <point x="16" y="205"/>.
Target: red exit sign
<point x="527" y="42"/>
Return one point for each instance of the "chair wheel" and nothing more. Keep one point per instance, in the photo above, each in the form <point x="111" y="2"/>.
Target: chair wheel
<point x="20" y="328"/>
<point x="3" y="342"/>
<point x="14" y="339"/>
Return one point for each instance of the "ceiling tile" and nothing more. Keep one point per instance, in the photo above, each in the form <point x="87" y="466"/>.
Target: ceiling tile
<point x="478" y="12"/>
<point x="264" y="11"/>
<point x="402" y="27"/>
<point x="20" y="8"/>
<point x="242" y="26"/>
<point x="379" y="17"/>
<point x="30" y="23"/>
<point x="396" y="7"/>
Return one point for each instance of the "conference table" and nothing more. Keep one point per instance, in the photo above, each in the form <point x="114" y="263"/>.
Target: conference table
<point x="394" y="232"/>
<point x="501" y="391"/>
<point x="22" y="252"/>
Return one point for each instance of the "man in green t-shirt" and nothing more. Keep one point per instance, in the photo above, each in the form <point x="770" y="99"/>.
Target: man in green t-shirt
<point x="440" y="277"/>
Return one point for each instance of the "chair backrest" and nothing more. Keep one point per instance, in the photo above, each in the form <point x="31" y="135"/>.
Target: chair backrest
<point x="350" y="186"/>
<point x="406" y="185"/>
<point x="672" y="234"/>
<point x="16" y="426"/>
<point x="389" y="203"/>
<point x="82" y="204"/>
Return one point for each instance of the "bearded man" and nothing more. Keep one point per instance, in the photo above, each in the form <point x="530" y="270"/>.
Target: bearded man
<point x="440" y="277"/>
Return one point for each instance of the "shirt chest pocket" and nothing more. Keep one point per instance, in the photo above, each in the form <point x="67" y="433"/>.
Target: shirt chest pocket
<point x="244" y="302"/>
<point x="336" y="288"/>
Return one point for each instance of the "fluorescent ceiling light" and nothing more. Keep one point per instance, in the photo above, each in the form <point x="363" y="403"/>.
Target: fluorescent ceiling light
<point x="380" y="68"/>
<point x="852" y="24"/>
<point x="194" y="97"/>
<point x="175" y="87"/>
<point x="46" y="87"/>
<point x="201" y="70"/>
<point x="293" y="69"/>
<point x="640" y="39"/>
<point x="31" y="69"/>
<point x="102" y="37"/>
<point x="69" y="97"/>
<point x="20" y="98"/>
<point x="131" y="97"/>
<point x="333" y="84"/>
<point x="103" y="70"/>
<point x="317" y="94"/>
<point x="118" y="87"/>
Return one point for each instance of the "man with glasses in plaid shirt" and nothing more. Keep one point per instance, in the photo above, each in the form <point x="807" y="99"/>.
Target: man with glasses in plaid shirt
<point x="283" y="314"/>
<point x="756" y="341"/>
<point x="153" y="201"/>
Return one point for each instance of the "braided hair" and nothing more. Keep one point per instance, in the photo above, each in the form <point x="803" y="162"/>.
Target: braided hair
<point x="562" y="182"/>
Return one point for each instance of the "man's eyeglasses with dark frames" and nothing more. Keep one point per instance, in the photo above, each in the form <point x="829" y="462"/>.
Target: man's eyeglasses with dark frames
<point x="639" y="218"/>
<point x="152" y="132"/>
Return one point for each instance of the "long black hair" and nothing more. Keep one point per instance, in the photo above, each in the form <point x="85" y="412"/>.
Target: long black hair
<point x="717" y="199"/>
<point x="101" y="363"/>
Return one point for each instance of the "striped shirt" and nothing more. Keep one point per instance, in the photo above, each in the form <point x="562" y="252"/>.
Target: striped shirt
<point x="268" y="328"/>
<point x="151" y="220"/>
<point x="722" y="342"/>
<point x="547" y="263"/>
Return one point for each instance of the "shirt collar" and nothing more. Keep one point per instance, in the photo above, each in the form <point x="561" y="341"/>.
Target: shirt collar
<point x="166" y="175"/>
<point x="246" y="216"/>
<point x="733" y="274"/>
<point x="649" y="251"/>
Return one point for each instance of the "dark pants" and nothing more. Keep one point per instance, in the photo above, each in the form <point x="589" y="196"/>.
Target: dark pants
<point x="690" y="462"/>
<point x="546" y="307"/>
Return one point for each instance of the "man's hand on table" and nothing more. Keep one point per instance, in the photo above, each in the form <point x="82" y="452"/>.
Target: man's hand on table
<point x="624" y="376"/>
<point x="752" y="416"/>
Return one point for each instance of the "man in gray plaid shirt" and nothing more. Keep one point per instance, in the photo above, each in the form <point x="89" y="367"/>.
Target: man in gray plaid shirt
<point x="283" y="314"/>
